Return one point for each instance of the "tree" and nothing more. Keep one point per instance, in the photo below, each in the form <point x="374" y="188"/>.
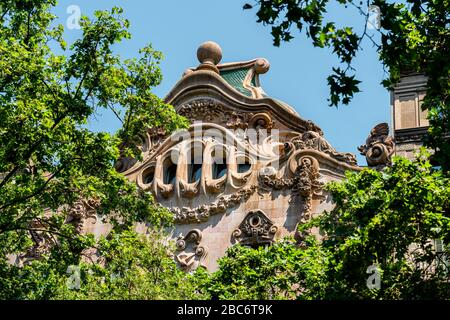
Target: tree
<point x="282" y="270"/>
<point x="386" y="238"/>
<point x="49" y="160"/>
<point x="415" y="37"/>
<point x="130" y="266"/>
<point x="390" y="221"/>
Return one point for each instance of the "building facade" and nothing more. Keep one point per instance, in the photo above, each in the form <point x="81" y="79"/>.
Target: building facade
<point x="409" y="121"/>
<point x="248" y="170"/>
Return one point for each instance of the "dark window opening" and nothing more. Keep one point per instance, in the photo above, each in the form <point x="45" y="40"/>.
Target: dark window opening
<point x="219" y="170"/>
<point x="194" y="172"/>
<point x="243" y="167"/>
<point x="149" y="174"/>
<point x="170" y="172"/>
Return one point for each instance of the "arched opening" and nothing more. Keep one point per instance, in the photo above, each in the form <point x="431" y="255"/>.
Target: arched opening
<point x="170" y="171"/>
<point x="243" y="165"/>
<point x="195" y="164"/>
<point x="219" y="166"/>
<point x="148" y="175"/>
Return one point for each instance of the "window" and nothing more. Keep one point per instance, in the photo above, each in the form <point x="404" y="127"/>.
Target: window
<point x="195" y="164"/>
<point x="243" y="165"/>
<point x="170" y="172"/>
<point x="219" y="167"/>
<point x="219" y="170"/>
<point x="148" y="175"/>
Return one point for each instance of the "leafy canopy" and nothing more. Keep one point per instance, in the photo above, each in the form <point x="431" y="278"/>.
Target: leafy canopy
<point x="48" y="158"/>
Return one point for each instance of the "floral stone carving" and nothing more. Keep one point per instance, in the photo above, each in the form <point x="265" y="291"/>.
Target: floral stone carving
<point x="256" y="229"/>
<point x="313" y="139"/>
<point x="202" y="213"/>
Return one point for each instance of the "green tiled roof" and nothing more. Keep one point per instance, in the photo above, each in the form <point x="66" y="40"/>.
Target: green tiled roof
<point x="236" y="78"/>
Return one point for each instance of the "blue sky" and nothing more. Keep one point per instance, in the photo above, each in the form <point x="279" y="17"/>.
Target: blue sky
<point x="297" y="74"/>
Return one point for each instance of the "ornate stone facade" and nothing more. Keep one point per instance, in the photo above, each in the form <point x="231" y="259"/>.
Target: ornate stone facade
<point x="249" y="169"/>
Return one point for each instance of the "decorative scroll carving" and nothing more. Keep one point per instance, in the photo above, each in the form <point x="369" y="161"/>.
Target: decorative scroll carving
<point x="155" y="136"/>
<point x="261" y="122"/>
<point x="192" y="254"/>
<point x="203" y="212"/>
<point x="306" y="183"/>
<point x="379" y="146"/>
<point x="153" y="139"/>
<point x="313" y="139"/>
<point x="202" y="109"/>
<point x="237" y="120"/>
<point x="80" y="211"/>
<point x="124" y="163"/>
<point x="256" y="229"/>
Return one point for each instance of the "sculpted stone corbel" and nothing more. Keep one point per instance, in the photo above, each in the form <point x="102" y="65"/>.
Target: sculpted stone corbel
<point x="189" y="190"/>
<point x="191" y="254"/>
<point x="166" y="190"/>
<point x="379" y="146"/>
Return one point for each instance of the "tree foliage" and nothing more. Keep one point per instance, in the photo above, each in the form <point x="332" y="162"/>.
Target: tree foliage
<point x="129" y="266"/>
<point x="280" y="271"/>
<point x="49" y="160"/>
<point x="414" y="37"/>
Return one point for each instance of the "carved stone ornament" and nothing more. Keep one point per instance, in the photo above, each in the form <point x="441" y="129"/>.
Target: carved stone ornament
<point x="203" y="212"/>
<point x="42" y="242"/>
<point x="202" y="109"/>
<point x="191" y="254"/>
<point x="313" y="139"/>
<point x="256" y="229"/>
<point x="147" y="144"/>
<point x="210" y="110"/>
<point x="379" y="146"/>
<point x="80" y="212"/>
<point x="304" y="181"/>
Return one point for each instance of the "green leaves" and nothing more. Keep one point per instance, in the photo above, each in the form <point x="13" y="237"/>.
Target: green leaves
<point x="379" y="217"/>
<point x="342" y="87"/>
<point x="280" y="271"/>
<point x="384" y="220"/>
<point x="48" y="159"/>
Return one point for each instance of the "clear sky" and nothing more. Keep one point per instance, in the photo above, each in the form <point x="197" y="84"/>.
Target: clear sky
<point x="297" y="74"/>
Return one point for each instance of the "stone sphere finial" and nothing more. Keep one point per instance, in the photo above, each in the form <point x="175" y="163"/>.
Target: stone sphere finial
<point x="209" y="52"/>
